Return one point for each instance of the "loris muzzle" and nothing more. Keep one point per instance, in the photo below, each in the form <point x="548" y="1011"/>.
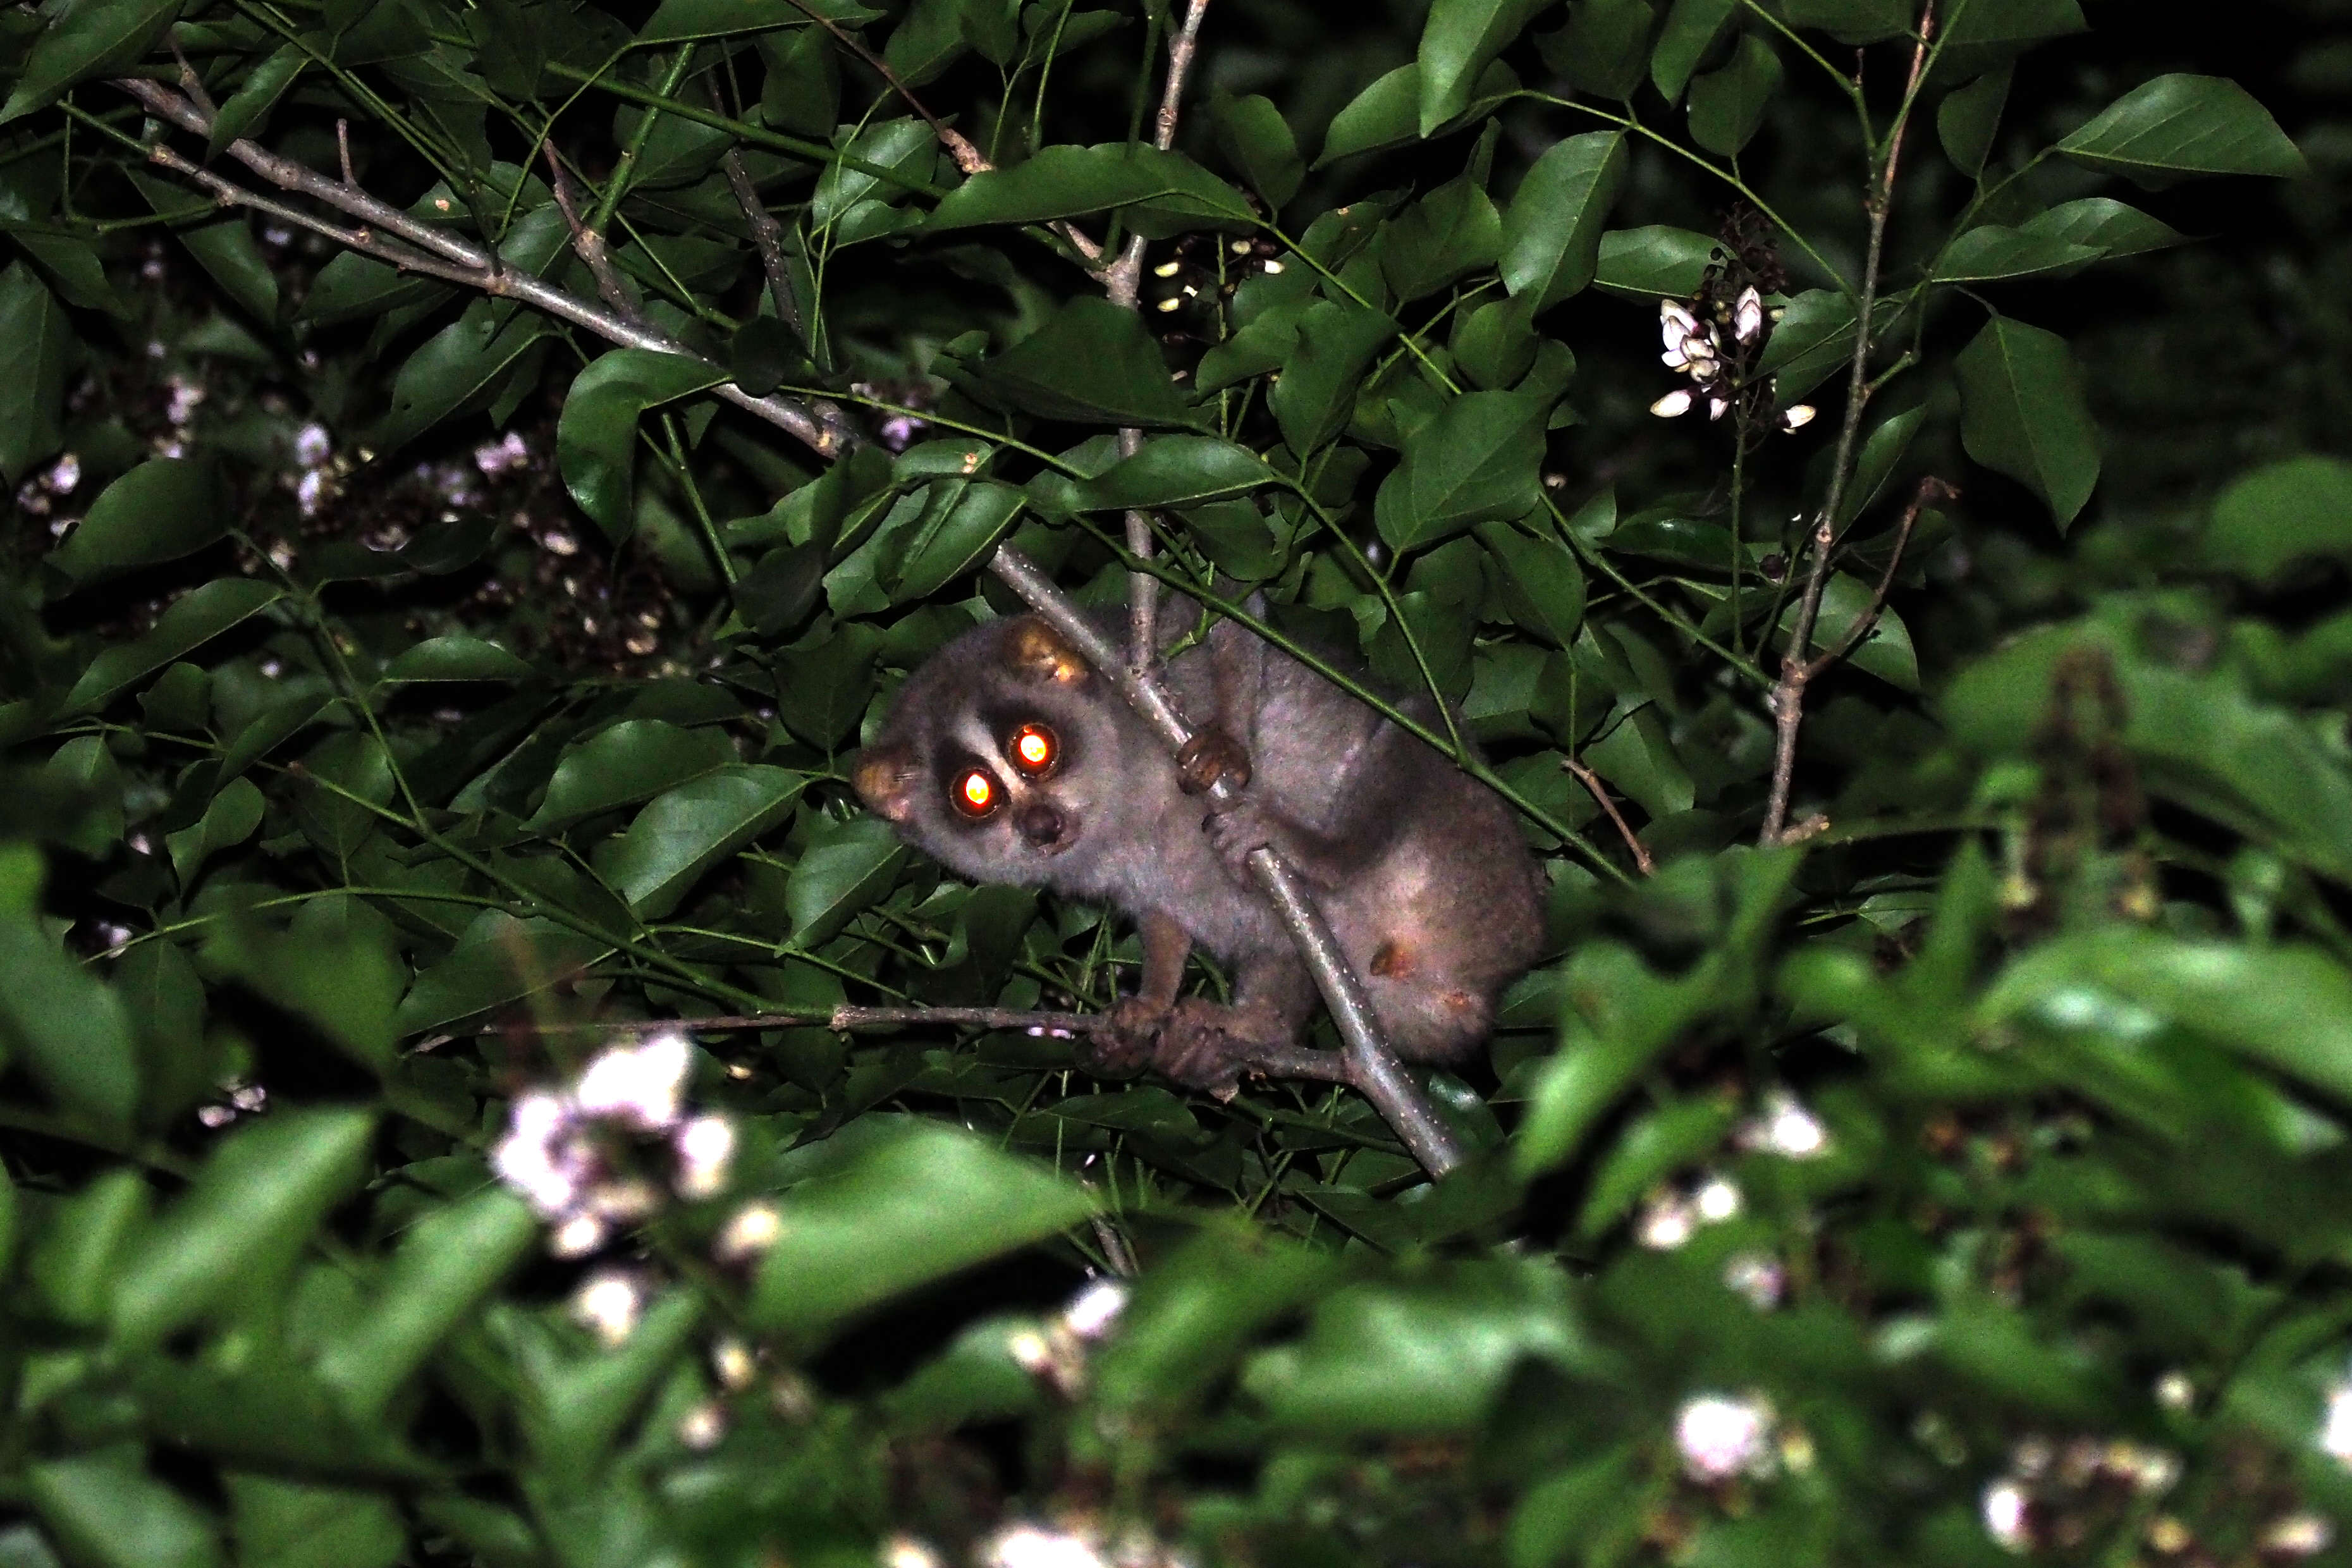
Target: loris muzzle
<point x="1009" y="759"/>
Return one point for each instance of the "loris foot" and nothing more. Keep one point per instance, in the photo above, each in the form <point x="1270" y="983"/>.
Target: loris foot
<point x="1209" y="755"/>
<point x="1206" y="1046"/>
<point x="1129" y="1044"/>
<point x="1236" y="829"/>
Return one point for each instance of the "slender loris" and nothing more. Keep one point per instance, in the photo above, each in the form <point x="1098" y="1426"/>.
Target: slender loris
<point x="1011" y="760"/>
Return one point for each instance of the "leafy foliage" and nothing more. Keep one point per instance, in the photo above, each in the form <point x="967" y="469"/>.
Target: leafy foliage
<point x="480" y="468"/>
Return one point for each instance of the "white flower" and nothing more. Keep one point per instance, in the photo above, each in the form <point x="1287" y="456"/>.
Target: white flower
<point x="1029" y="1546"/>
<point x="2174" y="1391"/>
<point x="704" y="1147"/>
<point x="1672" y="404"/>
<point x="578" y="1236"/>
<point x="1756" y="1276"/>
<point x="909" y="1551"/>
<point x="312" y="445"/>
<point x="2297" y="1535"/>
<point x="752" y="1230"/>
<point x="1787" y="1128"/>
<point x="639" y="1086"/>
<point x="2005" y="1510"/>
<point x="732" y="1364"/>
<point x="701" y="1428"/>
<point x="1748" y="315"/>
<point x="1093" y="1311"/>
<point x="1719" y="1200"/>
<point x="1675" y="321"/>
<point x="2336" y="1427"/>
<point x="1721" y="1438"/>
<point x="608" y="1304"/>
<point x="1798" y="416"/>
<point x="1715" y="406"/>
<point x="1666" y="1222"/>
<point x="535" y="1157"/>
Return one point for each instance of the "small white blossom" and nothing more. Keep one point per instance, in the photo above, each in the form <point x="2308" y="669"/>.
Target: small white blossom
<point x="1757" y="1277"/>
<point x="312" y="445"/>
<point x="65" y="474"/>
<point x="1719" y="1200"/>
<point x="2007" y="1511"/>
<point x="701" y="1428"/>
<point x="1717" y="406"/>
<point x="732" y="1364"/>
<point x="750" y="1231"/>
<point x="1029" y="1546"/>
<point x="1093" y="1311"/>
<point x="705" y="1146"/>
<point x="1748" y="315"/>
<point x="909" y="1551"/>
<point x="1675" y="321"/>
<point x="2335" y="1426"/>
<point x="1797" y="417"/>
<point x="608" y="1304"/>
<point x="2174" y="1391"/>
<point x="638" y="1087"/>
<point x="2297" y="1535"/>
<point x="1787" y="1128"/>
<point x="1721" y="1438"/>
<point x="1666" y="1222"/>
<point x="1672" y="404"/>
<point x="579" y="1236"/>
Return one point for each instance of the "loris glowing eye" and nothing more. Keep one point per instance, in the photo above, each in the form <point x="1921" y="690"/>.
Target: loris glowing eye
<point x="1034" y="748"/>
<point x="974" y="793"/>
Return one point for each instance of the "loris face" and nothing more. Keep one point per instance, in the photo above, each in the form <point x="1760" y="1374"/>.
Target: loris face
<point x="1002" y="758"/>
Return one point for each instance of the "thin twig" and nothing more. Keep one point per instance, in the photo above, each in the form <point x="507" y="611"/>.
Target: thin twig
<point x="768" y="239"/>
<point x="1798" y="672"/>
<point x="1366" y="1064"/>
<point x="1592" y="780"/>
<point x="1877" y="200"/>
<point x="344" y="152"/>
<point x="440" y="253"/>
<point x="589" y="245"/>
<point x="1123" y="283"/>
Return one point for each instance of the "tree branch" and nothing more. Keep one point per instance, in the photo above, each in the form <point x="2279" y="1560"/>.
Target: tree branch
<point x="1592" y="780"/>
<point x="439" y="253"/>
<point x="588" y="243"/>
<point x="1366" y="1064"/>
<point x="1787" y="698"/>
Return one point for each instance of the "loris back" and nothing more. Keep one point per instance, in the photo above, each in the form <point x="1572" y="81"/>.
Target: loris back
<point x="1009" y="759"/>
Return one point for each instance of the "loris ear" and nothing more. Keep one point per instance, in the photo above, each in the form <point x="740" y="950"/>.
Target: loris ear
<point x="1036" y="650"/>
<point x="885" y="780"/>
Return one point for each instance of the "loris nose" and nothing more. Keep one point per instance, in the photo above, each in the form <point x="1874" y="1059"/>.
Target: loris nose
<point x="1044" y="824"/>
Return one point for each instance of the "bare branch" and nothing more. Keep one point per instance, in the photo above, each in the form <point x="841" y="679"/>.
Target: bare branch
<point x="768" y="239"/>
<point x="1787" y="701"/>
<point x="1592" y="780"/>
<point x="450" y="257"/>
<point x="588" y="243"/>
<point x="1366" y="1064"/>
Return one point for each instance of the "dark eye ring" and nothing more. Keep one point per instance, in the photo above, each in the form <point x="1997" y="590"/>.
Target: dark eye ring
<point x="1035" y="750"/>
<point x="975" y="793"/>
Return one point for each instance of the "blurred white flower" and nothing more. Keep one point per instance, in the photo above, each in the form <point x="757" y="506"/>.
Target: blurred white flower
<point x="636" y="1086"/>
<point x="1757" y="1277"/>
<point x="732" y="1364"/>
<point x="2336" y="1425"/>
<point x="909" y="1551"/>
<point x="750" y="1231"/>
<point x="1031" y="1546"/>
<point x="1719" y="1200"/>
<point x="1666" y="1222"/>
<point x="2297" y="1535"/>
<point x="705" y="1146"/>
<point x="702" y="1427"/>
<point x="312" y="445"/>
<point x="1093" y="1311"/>
<point x="2007" y="1516"/>
<point x="1721" y="1436"/>
<point x="1785" y="1127"/>
<point x="608" y="1303"/>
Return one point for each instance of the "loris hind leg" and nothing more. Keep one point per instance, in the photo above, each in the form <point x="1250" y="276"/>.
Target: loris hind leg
<point x="1207" y="1045"/>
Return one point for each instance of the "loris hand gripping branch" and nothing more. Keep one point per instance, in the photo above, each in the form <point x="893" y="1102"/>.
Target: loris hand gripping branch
<point x="1010" y="760"/>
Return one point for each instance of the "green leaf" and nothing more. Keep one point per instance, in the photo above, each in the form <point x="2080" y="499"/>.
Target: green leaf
<point x="337" y="972"/>
<point x="190" y="623"/>
<point x="1541" y="582"/>
<point x="690" y="828"/>
<point x="1726" y="106"/>
<point x="966" y="530"/>
<point x="453" y="1259"/>
<point x="847" y="866"/>
<point x="249" y="1212"/>
<point x="246" y="109"/>
<point x="2022" y="414"/>
<point x="2280" y="514"/>
<point x="224" y="246"/>
<point x="1650" y="263"/>
<point x="2108" y="226"/>
<point x="1881" y="452"/>
<point x="1886" y="653"/>
<point x="1853" y="21"/>
<point x="496" y="960"/>
<point x="67" y="1027"/>
<point x="1604" y="48"/>
<point x="1447" y="235"/>
<point x="1256" y="140"/>
<point x="634" y="760"/>
<point x="233" y="816"/>
<point x="1387" y="112"/>
<point x="1176" y="471"/>
<point x="458" y="656"/>
<point x="1315" y="396"/>
<point x="2182" y="125"/>
<point x="1989" y="253"/>
<point x="1551" y="231"/>
<point x="675" y="21"/>
<point x="925" y="1204"/>
<point x="104" y="1509"/>
<point x="291" y="1524"/>
<point x="2004" y="26"/>
<point x="37" y="345"/>
<point x="459" y="369"/>
<point x="1458" y="41"/>
<point x="596" y="435"/>
<point x="1968" y="118"/>
<point x="73" y="270"/>
<point x="1690" y="33"/>
<point x="164" y="508"/>
<point x="1070" y="181"/>
<point x="86" y="39"/>
<point x="822" y="690"/>
<point x="1477" y="461"/>
<point x="1091" y="362"/>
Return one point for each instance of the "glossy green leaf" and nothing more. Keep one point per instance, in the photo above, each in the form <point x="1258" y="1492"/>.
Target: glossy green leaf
<point x="229" y="820"/>
<point x="1970" y="117"/>
<point x="633" y="761"/>
<point x="224" y="246"/>
<point x="36" y="344"/>
<point x="1477" y="461"/>
<point x="246" y="110"/>
<point x="2108" y="224"/>
<point x="1540" y="581"/>
<point x="1551" y="231"/>
<point x="596" y="436"/>
<point x="675" y="21"/>
<point x="291" y="1524"/>
<point x="1176" y="471"/>
<point x="456" y="655"/>
<point x="1989" y="253"/>
<point x="83" y="40"/>
<point x="496" y="959"/>
<point x="2022" y="412"/>
<point x="1726" y="106"/>
<point x="1853" y="21"/>
<point x="1090" y="361"/>
<point x="846" y="865"/>
<point x="1692" y="28"/>
<point x="67" y="1027"/>
<point x="1316" y="395"/>
<point x="164" y="508"/>
<point x="459" y="369"/>
<point x="188" y="625"/>
<point x="1604" y="48"/>
<point x="1458" y="41"/>
<point x="911" y="1210"/>
<point x="341" y="976"/>
<point x="105" y="1509"/>
<point x="688" y="828"/>
<point x="1256" y="140"/>
<point x="1648" y="263"/>
<point x="1447" y="235"/>
<point x="958" y="538"/>
<point x="2181" y="125"/>
<point x="251" y="1208"/>
<point x="1070" y="181"/>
